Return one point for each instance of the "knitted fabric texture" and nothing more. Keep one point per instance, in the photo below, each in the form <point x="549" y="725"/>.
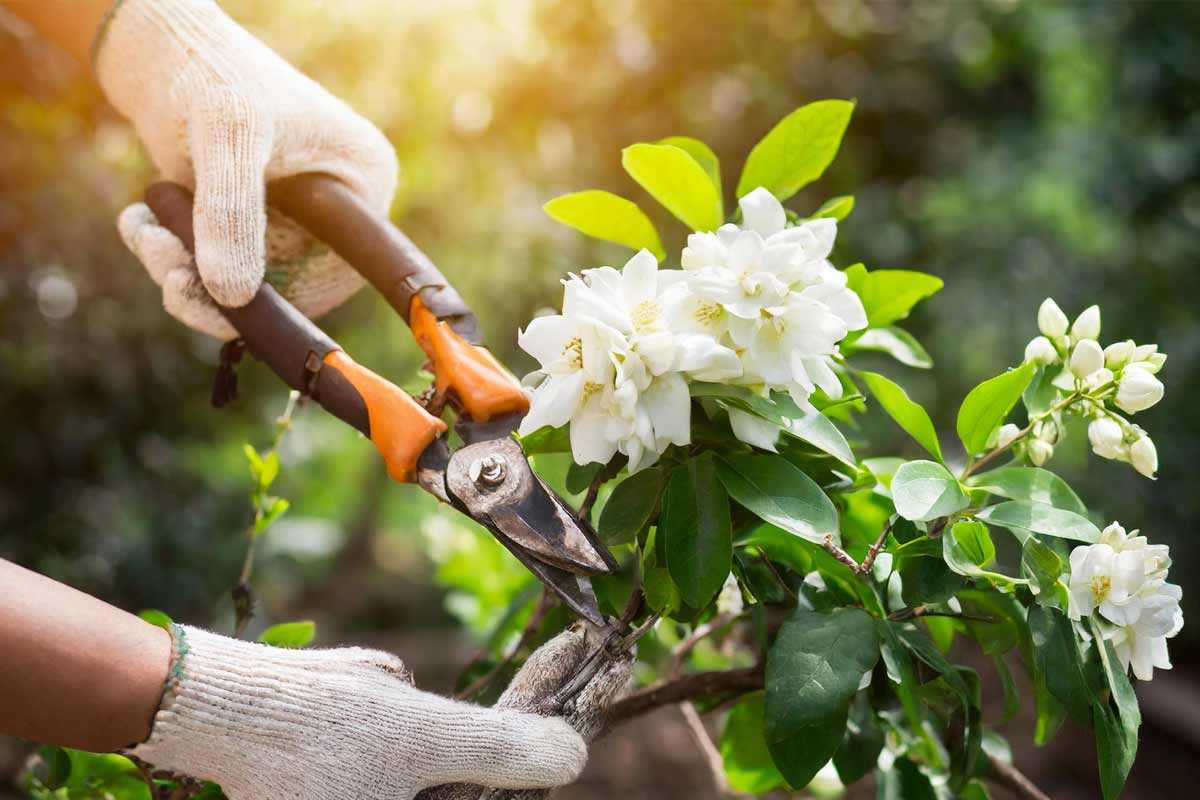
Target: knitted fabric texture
<point x="265" y="722"/>
<point x="221" y="113"/>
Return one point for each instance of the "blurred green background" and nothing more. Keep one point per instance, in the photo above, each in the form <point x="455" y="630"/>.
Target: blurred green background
<point x="1018" y="150"/>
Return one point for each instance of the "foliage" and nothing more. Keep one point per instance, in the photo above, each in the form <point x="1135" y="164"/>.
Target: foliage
<point x="876" y="565"/>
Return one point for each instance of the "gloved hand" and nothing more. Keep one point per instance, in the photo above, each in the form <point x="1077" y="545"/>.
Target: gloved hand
<point x="221" y="113"/>
<point x="335" y="724"/>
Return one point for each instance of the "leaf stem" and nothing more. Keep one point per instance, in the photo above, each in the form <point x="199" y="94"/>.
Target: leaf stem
<point x="975" y="465"/>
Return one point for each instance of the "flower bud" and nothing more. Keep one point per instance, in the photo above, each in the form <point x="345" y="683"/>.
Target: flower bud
<point x="1046" y="430"/>
<point x="1006" y="434"/>
<point x="729" y="601"/>
<point x="1138" y="390"/>
<point x="1052" y="321"/>
<point x="1087" y="324"/>
<point x="1143" y="352"/>
<point x="1107" y="438"/>
<point x="1156" y="360"/>
<point x="1040" y="451"/>
<point x="1086" y="358"/>
<point x="1098" y="378"/>
<point x="1144" y="456"/>
<point x="1117" y="354"/>
<point x="1040" y="351"/>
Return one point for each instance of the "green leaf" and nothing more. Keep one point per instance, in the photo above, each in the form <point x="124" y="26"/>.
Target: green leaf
<point x="903" y="781"/>
<point x="780" y="493"/>
<point x="607" y="216"/>
<point x="928" y="580"/>
<point x="276" y="508"/>
<point x="748" y="764"/>
<point x="819" y="431"/>
<point x="1030" y="483"/>
<point x="630" y="506"/>
<point x="1041" y="394"/>
<point x="974" y="541"/>
<point x="155" y="617"/>
<point x="675" y="179"/>
<point x="860" y="748"/>
<point x="896" y="342"/>
<point x="908" y="415"/>
<point x="1060" y="663"/>
<point x="888" y="295"/>
<point x="255" y="461"/>
<point x="835" y="208"/>
<point x="697" y="532"/>
<point x="289" y="634"/>
<point x="1042" y="567"/>
<point x="924" y="490"/>
<point x="1117" y="722"/>
<point x="813" y="670"/>
<point x="661" y="592"/>
<point x="986" y="406"/>
<point x="703" y="155"/>
<point x="1023" y="517"/>
<point x="270" y="471"/>
<point x="547" y="440"/>
<point x="797" y="150"/>
<point x="580" y="476"/>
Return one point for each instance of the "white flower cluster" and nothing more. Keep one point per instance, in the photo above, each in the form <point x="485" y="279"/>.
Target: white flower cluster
<point x="1123" y="373"/>
<point x="757" y="305"/>
<point x="1124" y="578"/>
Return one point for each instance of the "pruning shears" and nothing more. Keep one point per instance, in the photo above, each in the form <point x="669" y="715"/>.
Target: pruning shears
<point x="489" y="477"/>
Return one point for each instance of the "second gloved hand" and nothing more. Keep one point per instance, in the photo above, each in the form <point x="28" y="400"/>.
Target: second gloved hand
<point x="336" y="724"/>
<point x="221" y="113"/>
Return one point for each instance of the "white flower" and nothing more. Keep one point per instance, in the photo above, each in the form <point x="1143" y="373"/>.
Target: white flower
<point x="1040" y="351"/>
<point x="1108" y="438"/>
<point x="754" y="430"/>
<point x="612" y="368"/>
<point x="1124" y="578"/>
<point x="1137" y="390"/>
<point x="1087" y="324"/>
<point x="1144" y="456"/>
<point x="1109" y="580"/>
<point x="1086" y="358"/>
<point x="1052" y="322"/>
<point x="1143" y="645"/>
<point x="770" y="293"/>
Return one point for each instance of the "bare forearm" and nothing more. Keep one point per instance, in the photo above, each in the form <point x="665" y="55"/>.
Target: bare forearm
<point x="70" y="24"/>
<point x="75" y="671"/>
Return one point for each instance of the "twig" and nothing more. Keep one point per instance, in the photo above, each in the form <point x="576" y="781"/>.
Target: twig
<point x="1015" y="781"/>
<point x="546" y="601"/>
<point x="589" y="500"/>
<point x="688" y="644"/>
<point x="840" y="554"/>
<point x="869" y="561"/>
<point x="712" y="756"/>
<point x="689" y="687"/>
<point x="743" y="681"/>
<point x="922" y="611"/>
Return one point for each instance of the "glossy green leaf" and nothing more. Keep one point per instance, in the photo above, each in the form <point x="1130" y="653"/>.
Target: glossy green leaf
<point x="925" y="490"/>
<point x="701" y="153"/>
<point x="155" y="617"/>
<point x="780" y="493"/>
<point x="835" y="208"/>
<point x="986" y="406"/>
<point x="1023" y="517"/>
<point x="975" y="542"/>
<point x="661" y="592"/>
<point x="813" y="670"/>
<point x="859" y="750"/>
<point x="895" y="342"/>
<point x="962" y="561"/>
<point x="1030" y="483"/>
<point x="1060" y="663"/>
<point x="744" y="752"/>
<point x="289" y="634"/>
<point x="580" y="476"/>
<point x="888" y="295"/>
<point x="630" y="507"/>
<point x="908" y="415"/>
<point x="1117" y="723"/>
<point x="604" y="215"/>
<point x="675" y="179"/>
<point x="697" y="533"/>
<point x="819" y="431"/>
<point x="1042" y="567"/>
<point x="928" y="580"/>
<point x="547" y="440"/>
<point x="797" y="150"/>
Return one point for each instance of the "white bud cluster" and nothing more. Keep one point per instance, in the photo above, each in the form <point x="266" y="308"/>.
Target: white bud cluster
<point x="1123" y="373"/>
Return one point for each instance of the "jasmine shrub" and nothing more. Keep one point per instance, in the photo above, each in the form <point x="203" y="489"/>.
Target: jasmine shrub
<point x="705" y="400"/>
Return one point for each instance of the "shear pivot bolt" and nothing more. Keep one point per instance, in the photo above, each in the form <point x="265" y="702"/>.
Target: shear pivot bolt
<point x="488" y="471"/>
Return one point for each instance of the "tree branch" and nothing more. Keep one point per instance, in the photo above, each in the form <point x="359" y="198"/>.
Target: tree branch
<point x="1014" y="780"/>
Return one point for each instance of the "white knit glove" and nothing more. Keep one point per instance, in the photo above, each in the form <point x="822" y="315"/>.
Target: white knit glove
<point x="264" y="722"/>
<point x="221" y="113"/>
